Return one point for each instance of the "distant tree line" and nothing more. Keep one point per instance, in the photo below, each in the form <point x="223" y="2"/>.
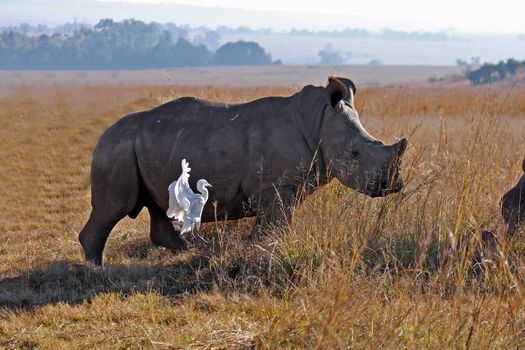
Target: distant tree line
<point x="129" y="44"/>
<point x="386" y="34"/>
<point x="490" y="72"/>
<point x="200" y="33"/>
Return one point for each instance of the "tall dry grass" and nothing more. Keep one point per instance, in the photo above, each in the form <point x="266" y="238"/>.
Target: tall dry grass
<point x="411" y="270"/>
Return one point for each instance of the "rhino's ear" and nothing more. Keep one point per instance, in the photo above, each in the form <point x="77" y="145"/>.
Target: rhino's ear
<point x="335" y="90"/>
<point x="350" y="87"/>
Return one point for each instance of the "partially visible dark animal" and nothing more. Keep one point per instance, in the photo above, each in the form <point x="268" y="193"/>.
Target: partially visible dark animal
<point x="513" y="204"/>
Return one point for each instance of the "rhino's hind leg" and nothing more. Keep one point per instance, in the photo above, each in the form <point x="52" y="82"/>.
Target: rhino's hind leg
<point x="94" y="235"/>
<point x="115" y="190"/>
<point x="109" y="207"/>
<point x="162" y="232"/>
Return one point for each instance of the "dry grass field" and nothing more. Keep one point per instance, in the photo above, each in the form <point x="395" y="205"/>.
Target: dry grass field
<point x="406" y="271"/>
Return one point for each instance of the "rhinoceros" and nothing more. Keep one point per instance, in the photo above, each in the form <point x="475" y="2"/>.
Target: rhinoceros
<point x="259" y="156"/>
<point x="513" y="204"/>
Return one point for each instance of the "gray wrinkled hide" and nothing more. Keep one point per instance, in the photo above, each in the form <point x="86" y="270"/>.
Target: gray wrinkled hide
<point x="513" y="204"/>
<point x="261" y="158"/>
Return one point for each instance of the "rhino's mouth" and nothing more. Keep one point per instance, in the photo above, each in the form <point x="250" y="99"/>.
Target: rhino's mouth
<point x="385" y="185"/>
<point x="384" y="190"/>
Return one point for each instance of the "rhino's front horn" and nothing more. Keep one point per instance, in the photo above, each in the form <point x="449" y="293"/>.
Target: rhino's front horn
<point x="400" y="146"/>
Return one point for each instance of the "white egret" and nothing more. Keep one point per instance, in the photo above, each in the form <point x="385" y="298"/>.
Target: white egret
<point x="184" y="204"/>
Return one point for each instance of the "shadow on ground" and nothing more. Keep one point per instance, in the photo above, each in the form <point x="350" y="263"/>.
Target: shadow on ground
<point x="72" y="283"/>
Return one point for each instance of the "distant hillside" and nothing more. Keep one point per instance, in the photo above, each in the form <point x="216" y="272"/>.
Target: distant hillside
<point x="129" y="44"/>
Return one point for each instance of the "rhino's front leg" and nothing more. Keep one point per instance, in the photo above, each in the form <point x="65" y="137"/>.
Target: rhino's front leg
<point x="275" y="209"/>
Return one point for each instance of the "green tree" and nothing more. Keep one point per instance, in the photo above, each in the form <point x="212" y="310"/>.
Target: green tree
<point x="241" y="53"/>
<point x="489" y="72"/>
<point x="501" y="68"/>
<point x="513" y="65"/>
<point x="186" y="54"/>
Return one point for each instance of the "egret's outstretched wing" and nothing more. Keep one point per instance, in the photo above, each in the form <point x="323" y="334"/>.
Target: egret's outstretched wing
<point x="178" y="201"/>
<point x="184" y="204"/>
<point x="183" y="191"/>
<point x="175" y="210"/>
<point x="185" y="170"/>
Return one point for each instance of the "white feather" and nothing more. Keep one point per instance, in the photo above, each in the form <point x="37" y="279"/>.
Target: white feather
<point x="184" y="204"/>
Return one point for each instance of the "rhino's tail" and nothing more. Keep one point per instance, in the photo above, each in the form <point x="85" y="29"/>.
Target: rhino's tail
<point x="142" y="195"/>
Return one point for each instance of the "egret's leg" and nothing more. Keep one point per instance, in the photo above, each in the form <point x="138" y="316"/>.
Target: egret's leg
<point x="197" y="225"/>
<point x="162" y="232"/>
<point x="196" y="235"/>
<point x="275" y="209"/>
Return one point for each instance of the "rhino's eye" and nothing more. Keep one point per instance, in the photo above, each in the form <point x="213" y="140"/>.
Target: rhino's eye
<point x="355" y="153"/>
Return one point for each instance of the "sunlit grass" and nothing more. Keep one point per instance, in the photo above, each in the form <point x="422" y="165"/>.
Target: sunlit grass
<point x="409" y="270"/>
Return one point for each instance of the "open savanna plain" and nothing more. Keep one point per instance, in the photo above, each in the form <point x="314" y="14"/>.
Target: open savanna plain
<point x="411" y="270"/>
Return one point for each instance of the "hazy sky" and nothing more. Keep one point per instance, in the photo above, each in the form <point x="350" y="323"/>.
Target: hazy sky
<point x="463" y="15"/>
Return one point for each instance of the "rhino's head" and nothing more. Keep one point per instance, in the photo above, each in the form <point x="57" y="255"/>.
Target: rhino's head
<point x="513" y="204"/>
<point x="357" y="159"/>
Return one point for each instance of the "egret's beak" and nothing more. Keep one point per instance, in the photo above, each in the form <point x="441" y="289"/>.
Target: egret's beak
<point x="209" y="185"/>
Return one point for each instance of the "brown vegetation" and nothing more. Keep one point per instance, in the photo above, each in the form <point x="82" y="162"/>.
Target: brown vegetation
<point x="403" y="271"/>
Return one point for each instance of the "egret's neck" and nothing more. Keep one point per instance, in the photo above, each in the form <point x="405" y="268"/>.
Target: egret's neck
<point x="203" y="190"/>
